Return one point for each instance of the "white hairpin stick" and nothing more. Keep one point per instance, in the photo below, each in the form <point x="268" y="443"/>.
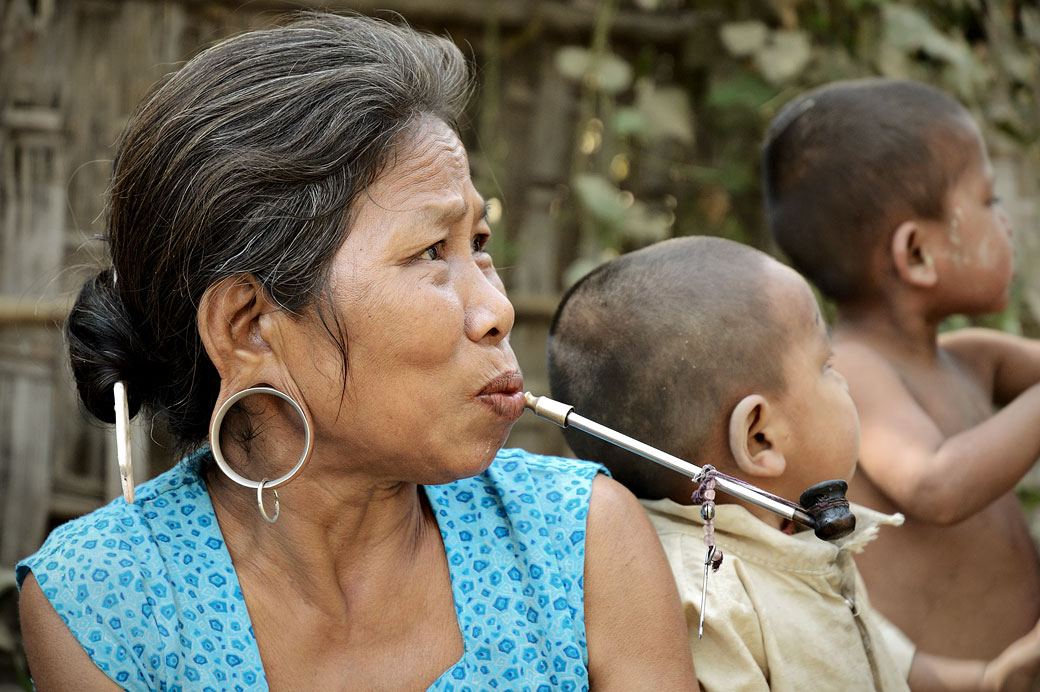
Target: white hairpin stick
<point x="126" y="464"/>
<point x="126" y="467"/>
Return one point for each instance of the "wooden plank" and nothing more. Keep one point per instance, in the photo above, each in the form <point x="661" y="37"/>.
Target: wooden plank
<point x="534" y="306"/>
<point x="32" y="119"/>
<point x="39" y="311"/>
<point x="549" y="137"/>
<point x="31" y="240"/>
<point x="32" y="226"/>
<point x="551" y="16"/>
<point x="25" y="426"/>
<point x="65" y="505"/>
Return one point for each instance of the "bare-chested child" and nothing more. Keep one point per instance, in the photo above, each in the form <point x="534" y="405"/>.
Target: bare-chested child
<point x="717" y="353"/>
<point x="881" y="193"/>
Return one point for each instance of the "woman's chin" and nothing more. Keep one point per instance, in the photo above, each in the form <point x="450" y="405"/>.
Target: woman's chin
<point x="472" y="462"/>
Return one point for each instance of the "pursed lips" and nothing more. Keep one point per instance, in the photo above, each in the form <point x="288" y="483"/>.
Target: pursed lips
<point x="506" y="382"/>
<point x="504" y="395"/>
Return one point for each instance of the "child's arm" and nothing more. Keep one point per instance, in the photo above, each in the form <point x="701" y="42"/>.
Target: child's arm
<point x="1011" y="363"/>
<point x="924" y="473"/>
<point x="1014" y="669"/>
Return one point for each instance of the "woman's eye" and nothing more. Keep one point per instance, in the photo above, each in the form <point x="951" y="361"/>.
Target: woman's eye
<point x="479" y="242"/>
<point x="434" y="252"/>
<point x="994" y="201"/>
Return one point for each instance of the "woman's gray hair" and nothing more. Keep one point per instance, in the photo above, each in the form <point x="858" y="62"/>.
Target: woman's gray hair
<point x="248" y="160"/>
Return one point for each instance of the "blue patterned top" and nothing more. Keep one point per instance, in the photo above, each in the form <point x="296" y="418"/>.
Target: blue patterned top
<point x="149" y="590"/>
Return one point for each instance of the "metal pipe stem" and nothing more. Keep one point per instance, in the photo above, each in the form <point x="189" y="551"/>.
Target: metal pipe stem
<point x="563" y="415"/>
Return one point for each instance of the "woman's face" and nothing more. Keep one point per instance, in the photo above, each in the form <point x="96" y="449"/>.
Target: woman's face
<point x="433" y="387"/>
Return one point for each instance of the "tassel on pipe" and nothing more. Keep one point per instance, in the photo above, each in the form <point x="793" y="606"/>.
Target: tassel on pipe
<point x="835" y="521"/>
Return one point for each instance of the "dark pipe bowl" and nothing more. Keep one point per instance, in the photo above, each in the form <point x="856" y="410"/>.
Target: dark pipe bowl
<point x="825" y="503"/>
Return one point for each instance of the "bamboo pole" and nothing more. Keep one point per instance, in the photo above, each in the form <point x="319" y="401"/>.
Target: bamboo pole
<point x="553" y="16"/>
<point x="39" y="312"/>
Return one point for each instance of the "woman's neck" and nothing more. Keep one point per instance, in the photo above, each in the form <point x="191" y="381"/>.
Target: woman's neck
<point x="344" y="539"/>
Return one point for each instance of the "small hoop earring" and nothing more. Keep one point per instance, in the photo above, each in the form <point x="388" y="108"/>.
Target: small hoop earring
<point x="260" y="503"/>
<point x="126" y="463"/>
<point x="218" y="455"/>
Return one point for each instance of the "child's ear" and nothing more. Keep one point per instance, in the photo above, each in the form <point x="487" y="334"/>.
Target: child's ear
<point x="229" y="321"/>
<point x="913" y="256"/>
<point x="753" y="429"/>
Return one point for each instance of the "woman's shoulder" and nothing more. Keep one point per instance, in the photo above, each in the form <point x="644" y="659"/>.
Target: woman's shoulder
<point x="119" y="536"/>
<point x="148" y="589"/>
<point x="522" y="489"/>
<point x="543" y="468"/>
<point x="551" y="485"/>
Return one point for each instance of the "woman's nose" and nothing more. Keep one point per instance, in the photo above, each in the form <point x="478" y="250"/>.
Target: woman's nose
<point x="489" y="314"/>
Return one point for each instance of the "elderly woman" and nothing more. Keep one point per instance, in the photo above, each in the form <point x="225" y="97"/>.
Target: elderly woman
<point x="300" y="289"/>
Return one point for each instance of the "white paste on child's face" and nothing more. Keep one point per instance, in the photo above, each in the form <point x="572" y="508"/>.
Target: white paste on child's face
<point x="955" y="224"/>
<point x="955" y="236"/>
<point x="978" y="253"/>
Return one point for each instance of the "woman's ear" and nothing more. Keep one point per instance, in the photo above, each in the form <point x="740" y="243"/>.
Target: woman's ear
<point x="753" y="438"/>
<point x="913" y="256"/>
<point x="229" y="324"/>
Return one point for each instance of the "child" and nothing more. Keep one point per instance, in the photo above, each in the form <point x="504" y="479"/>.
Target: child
<point x="881" y="193"/>
<point x="717" y="353"/>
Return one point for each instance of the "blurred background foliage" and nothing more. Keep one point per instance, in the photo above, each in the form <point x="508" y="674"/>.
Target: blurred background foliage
<point x="667" y="144"/>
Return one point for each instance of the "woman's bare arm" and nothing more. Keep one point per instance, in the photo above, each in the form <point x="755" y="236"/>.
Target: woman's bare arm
<point x="57" y="662"/>
<point x="633" y="617"/>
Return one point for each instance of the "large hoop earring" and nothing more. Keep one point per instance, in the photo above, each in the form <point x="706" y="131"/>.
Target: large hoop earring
<point x="260" y="503"/>
<point x="126" y="463"/>
<point x="261" y="485"/>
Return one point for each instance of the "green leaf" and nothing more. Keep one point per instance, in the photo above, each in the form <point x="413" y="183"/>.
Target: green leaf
<point x="742" y="39"/>
<point x="611" y="73"/>
<point x="954" y="322"/>
<point x="645" y="226"/>
<point x="666" y="112"/>
<point x="742" y="90"/>
<point x="579" y="268"/>
<point x="1031" y="24"/>
<point x="737" y="175"/>
<point x="628" y="120"/>
<point x="1017" y="63"/>
<point x="606" y="72"/>
<point x="600" y="197"/>
<point x="573" y="62"/>
<point x="907" y="31"/>
<point x="784" y="57"/>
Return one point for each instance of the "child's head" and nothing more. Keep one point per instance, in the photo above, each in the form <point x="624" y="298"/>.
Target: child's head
<point x="854" y="170"/>
<point x="712" y="351"/>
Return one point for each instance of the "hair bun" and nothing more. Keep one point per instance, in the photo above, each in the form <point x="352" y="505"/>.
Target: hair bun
<point x="102" y="347"/>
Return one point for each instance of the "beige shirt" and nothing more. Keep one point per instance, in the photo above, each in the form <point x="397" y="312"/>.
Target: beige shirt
<point x="784" y="612"/>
